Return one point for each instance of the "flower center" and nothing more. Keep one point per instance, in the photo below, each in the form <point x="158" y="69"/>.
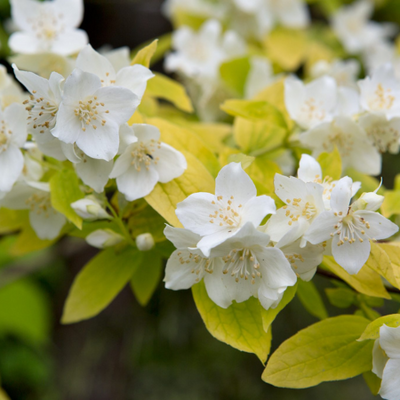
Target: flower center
<point x="91" y="113"/>
<point x="242" y="264"/>
<point x="338" y="138"/>
<point x="297" y="208"/>
<point x="47" y="26"/>
<point x="226" y="213"/>
<point x="42" y="113"/>
<point x="383" y="99"/>
<point x="4" y="136"/>
<point x="41" y="204"/>
<point x="384" y="138"/>
<point x="351" y="228"/>
<point x="311" y="110"/>
<point x="142" y="155"/>
<point x="198" y="263"/>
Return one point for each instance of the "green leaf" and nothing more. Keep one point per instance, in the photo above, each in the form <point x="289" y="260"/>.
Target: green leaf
<point x="146" y="278"/>
<point x="341" y="297"/>
<point x="373" y="382"/>
<point x="165" y="88"/>
<point x="234" y="74"/>
<point x="254" y="110"/>
<point x="311" y="299"/>
<point x="24" y="312"/>
<point x="366" y="281"/>
<point x="145" y="55"/>
<point x="65" y="190"/>
<point x="268" y="316"/>
<point x="11" y="220"/>
<point x="240" y="325"/>
<point x="325" y="351"/>
<point x="372" y="330"/>
<point x="99" y="282"/>
<point x="331" y="164"/>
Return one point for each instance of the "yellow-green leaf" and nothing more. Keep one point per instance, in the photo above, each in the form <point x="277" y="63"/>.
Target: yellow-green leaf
<point x="166" y="196"/>
<point x="147" y="277"/>
<point x="165" y="88"/>
<point x="241" y="158"/>
<point x="240" y="325"/>
<point x="385" y="260"/>
<point x="341" y="297"/>
<point x="331" y="164"/>
<point x="145" y="55"/>
<point x="286" y="47"/>
<point x="99" y="282"/>
<point x="11" y="220"/>
<point x="65" y="190"/>
<point x="366" y="281"/>
<point x="373" y="382"/>
<point x="325" y="351"/>
<point x="391" y="204"/>
<point x="372" y="330"/>
<point x="268" y="316"/>
<point x="257" y="137"/>
<point x="254" y="110"/>
<point x="234" y="73"/>
<point x="3" y="395"/>
<point x="183" y="139"/>
<point x="311" y="299"/>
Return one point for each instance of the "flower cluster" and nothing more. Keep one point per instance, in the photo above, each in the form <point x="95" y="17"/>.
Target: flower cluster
<point x="362" y="122"/>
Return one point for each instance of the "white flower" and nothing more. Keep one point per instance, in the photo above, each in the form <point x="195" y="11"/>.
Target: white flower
<point x="90" y="115"/>
<point x="145" y="161"/>
<point x="103" y="238"/>
<point x="188" y="265"/>
<point x="119" y="58"/>
<point x="380" y="93"/>
<point x="35" y="197"/>
<point x="90" y="209"/>
<point x="13" y="135"/>
<point x="304" y="260"/>
<point x="218" y="217"/>
<point x="345" y="72"/>
<point x="351" y="227"/>
<point x="383" y="134"/>
<point x="93" y="172"/>
<point x="351" y="141"/>
<point x="386" y="362"/>
<point x="252" y="269"/>
<point x="310" y="171"/>
<point x="313" y="103"/>
<point x="200" y="54"/>
<point x="145" y="242"/>
<point x="47" y="26"/>
<point x="353" y="27"/>
<point x="133" y="77"/>
<point x="43" y="107"/>
<point x="303" y="202"/>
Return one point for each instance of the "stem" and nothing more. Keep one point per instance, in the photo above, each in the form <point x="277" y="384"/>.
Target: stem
<point x="330" y="275"/>
<point x="121" y="224"/>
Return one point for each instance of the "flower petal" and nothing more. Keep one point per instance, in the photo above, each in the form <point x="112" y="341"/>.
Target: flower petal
<point x="134" y="78"/>
<point x="94" y="173"/>
<point x="390" y="387"/>
<point x="309" y="169"/>
<point x="16" y="116"/>
<point x="321" y="228"/>
<point x="257" y="208"/>
<point x="137" y="184"/>
<point x="390" y="341"/>
<point x="181" y="238"/>
<point x="215" y="285"/>
<point x="47" y="226"/>
<point x="170" y="164"/>
<point x="380" y="227"/>
<point x="101" y="143"/>
<point x="70" y="42"/>
<point x="289" y="188"/>
<point x="352" y="256"/>
<point x="11" y="165"/>
<point x="80" y="85"/>
<point x="233" y="181"/>
<point x="341" y="195"/>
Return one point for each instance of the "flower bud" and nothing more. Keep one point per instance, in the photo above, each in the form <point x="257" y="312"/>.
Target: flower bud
<point x="145" y="242"/>
<point x="103" y="238"/>
<point x="89" y="209"/>
<point x="368" y="201"/>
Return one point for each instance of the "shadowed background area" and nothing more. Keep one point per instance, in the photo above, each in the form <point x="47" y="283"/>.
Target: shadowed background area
<point x="128" y="352"/>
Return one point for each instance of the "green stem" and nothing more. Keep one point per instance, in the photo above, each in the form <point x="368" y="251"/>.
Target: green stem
<point x="121" y="224"/>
